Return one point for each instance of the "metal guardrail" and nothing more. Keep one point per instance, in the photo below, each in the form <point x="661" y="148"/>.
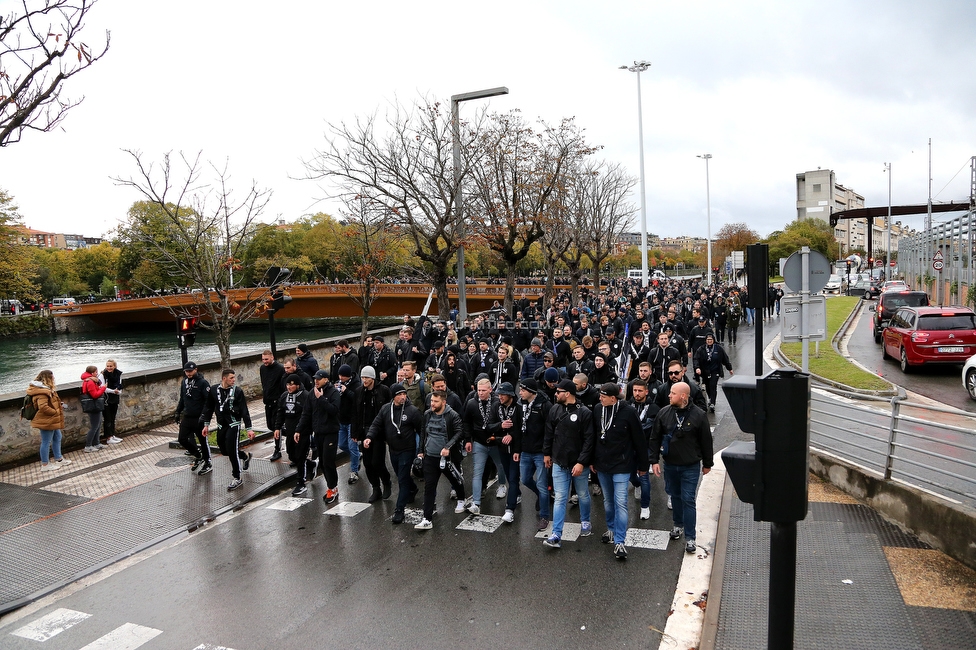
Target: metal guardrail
<point x="929" y="447"/>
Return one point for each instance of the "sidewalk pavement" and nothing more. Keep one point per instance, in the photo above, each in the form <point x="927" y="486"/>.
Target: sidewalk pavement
<point x="861" y="582"/>
<point x="56" y="527"/>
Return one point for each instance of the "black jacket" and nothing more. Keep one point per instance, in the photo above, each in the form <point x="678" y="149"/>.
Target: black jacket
<point x="478" y="428"/>
<point x="534" y="416"/>
<point x="289" y="411"/>
<point x="272" y="383"/>
<point x="569" y="435"/>
<point x="398" y="426"/>
<point x="690" y="442"/>
<point x="193" y="396"/>
<point x="455" y="431"/>
<point x="320" y="415"/>
<point x="347" y="402"/>
<point x="229" y="405"/>
<point x="350" y="359"/>
<point x="368" y="404"/>
<point x="620" y="440"/>
<point x="712" y="364"/>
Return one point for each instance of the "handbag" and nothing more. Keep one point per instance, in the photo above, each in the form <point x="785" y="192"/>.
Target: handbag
<point x="92" y="405"/>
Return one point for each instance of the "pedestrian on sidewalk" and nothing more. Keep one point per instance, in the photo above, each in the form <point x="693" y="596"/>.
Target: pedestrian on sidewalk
<point x="113" y="380"/>
<point x="272" y="386"/>
<point x="227" y="401"/>
<point x="93" y="387"/>
<point x="49" y="419"/>
<point x="681" y="435"/>
<point x="194" y="390"/>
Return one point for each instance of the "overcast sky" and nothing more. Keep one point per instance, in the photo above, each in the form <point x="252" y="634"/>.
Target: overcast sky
<point x="768" y="88"/>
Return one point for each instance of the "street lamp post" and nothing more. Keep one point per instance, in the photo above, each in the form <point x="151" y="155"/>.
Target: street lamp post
<point x="639" y="67"/>
<point x="708" y="210"/>
<point x="458" y="198"/>
<point x="888" y="255"/>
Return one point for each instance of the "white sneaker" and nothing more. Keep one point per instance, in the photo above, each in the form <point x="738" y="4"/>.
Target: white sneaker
<point x="99" y="446"/>
<point x="574" y="499"/>
<point x="50" y="467"/>
<point x="114" y="440"/>
<point x="63" y="461"/>
<point x="645" y="513"/>
<point x="669" y="504"/>
<point x="453" y="494"/>
<point x="89" y="450"/>
<point x="424" y="524"/>
<point x="502" y="492"/>
<point x="460" y="507"/>
<point x="474" y="508"/>
<point x="508" y="517"/>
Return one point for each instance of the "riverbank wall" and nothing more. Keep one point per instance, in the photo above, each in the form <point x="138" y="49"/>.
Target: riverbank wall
<point x="149" y="397"/>
<point x="26" y="325"/>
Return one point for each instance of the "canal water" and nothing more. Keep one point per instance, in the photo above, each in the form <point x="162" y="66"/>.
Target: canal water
<point x="144" y="348"/>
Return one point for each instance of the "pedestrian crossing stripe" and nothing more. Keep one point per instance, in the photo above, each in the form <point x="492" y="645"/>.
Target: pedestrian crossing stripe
<point x="289" y="503"/>
<point x="480" y="523"/>
<point x="571" y="532"/>
<point x="127" y="636"/>
<point x="636" y="537"/>
<point x="50" y="625"/>
<point x="347" y="509"/>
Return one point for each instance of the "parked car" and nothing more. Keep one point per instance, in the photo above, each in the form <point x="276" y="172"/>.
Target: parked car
<point x="969" y="376"/>
<point x="930" y="335"/>
<point x="889" y="301"/>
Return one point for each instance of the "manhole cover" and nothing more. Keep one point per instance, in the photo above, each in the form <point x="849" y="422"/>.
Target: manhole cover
<point x="175" y="461"/>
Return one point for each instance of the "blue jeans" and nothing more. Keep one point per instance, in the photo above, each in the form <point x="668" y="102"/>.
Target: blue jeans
<point x="481" y="454"/>
<point x="561" y="478"/>
<point x="349" y="447"/>
<point x="644" y="482"/>
<point x="47" y="437"/>
<point x="529" y="466"/>
<point x="681" y="484"/>
<point x="615" y="488"/>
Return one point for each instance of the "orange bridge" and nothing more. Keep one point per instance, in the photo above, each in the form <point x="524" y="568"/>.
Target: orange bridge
<point x="308" y="301"/>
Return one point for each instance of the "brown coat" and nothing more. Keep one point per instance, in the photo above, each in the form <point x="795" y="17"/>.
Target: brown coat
<point x="50" y="410"/>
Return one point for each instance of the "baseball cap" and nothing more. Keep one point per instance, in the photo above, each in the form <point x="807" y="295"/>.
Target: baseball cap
<point x="610" y="389"/>
<point x="189" y="365"/>
<point x="321" y="374"/>
<point x="567" y="385"/>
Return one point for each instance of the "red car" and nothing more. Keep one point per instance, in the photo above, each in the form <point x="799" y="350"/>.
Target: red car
<point x="922" y="335"/>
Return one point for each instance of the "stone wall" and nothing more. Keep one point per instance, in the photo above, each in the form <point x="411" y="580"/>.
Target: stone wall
<point x="148" y="398"/>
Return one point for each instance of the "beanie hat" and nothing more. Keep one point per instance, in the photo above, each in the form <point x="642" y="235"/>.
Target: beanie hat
<point x="551" y="375"/>
<point x="368" y="373"/>
<point x="345" y="370"/>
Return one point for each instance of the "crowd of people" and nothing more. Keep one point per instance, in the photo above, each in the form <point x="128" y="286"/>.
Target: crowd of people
<point x="562" y="399"/>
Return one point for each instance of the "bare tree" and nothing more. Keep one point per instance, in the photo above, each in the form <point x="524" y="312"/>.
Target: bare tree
<point x="40" y="49"/>
<point x="408" y="170"/>
<point x="604" y="203"/>
<point x="514" y="184"/>
<point x="366" y="253"/>
<point x="205" y="231"/>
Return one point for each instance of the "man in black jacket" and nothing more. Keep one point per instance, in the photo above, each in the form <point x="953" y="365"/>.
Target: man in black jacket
<point x="228" y="402"/>
<point x="683" y="431"/>
<point x="620" y="444"/>
<point x="383" y="362"/>
<point x="193" y="398"/>
<point x="290" y="406"/>
<point x="342" y="355"/>
<point x="441" y="430"/>
<point x="397" y="425"/>
<point x="710" y="359"/>
<point x="272" y="386"/>
<point x="532" y="468"/>
<point x="568" y="450"/>
<point x="348" y="386"/>
<point x="320" y="418"/>
<point x="511" y="441"/>
<point x="482" y="437"/>
<point x="369" y="399"/>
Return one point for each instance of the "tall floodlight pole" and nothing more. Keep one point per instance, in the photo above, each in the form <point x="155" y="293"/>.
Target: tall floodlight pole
<point x="888" y="253"/>
<point x="708" y="211"/>
<point x="639" y="67"/>
<point x="458" y="198"/>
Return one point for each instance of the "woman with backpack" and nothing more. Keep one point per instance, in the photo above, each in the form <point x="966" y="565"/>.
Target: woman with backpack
<point x="93" y="388"/>
<point x="49" y="418"/>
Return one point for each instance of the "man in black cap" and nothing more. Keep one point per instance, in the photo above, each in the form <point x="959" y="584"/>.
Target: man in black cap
<point x="320" y="419"/>
<point x="697" y="335"/>
<point x="637" y="353"/>
<point x="348" y="387"/>
<point x="290" y="406"/>
<point x="620" y="444"/>
<point x="511" y="443"/>
<point x="437" y="359"/>
<point x="272" y="386"/>
<point x="369" y="400"/>
<point x="398" y="424"/>
<point x="193" y="398"/>
<point x="568" y="450"/>
<point x="532" y="469"/>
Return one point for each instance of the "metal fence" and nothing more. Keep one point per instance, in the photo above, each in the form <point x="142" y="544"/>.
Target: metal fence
<point x="929" y="447"/>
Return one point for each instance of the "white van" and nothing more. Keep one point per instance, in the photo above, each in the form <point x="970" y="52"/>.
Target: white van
<point x="656" y="274"/>
<point x="62" y="302"/>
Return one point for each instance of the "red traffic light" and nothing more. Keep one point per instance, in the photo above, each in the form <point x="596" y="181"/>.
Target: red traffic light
<point x="187" y="324"/>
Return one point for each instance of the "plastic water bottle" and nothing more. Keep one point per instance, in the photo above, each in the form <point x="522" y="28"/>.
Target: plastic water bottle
<point x="443" y="462"/>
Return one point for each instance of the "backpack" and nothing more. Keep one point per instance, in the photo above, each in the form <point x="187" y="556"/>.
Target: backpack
<point x="29" y="409"/>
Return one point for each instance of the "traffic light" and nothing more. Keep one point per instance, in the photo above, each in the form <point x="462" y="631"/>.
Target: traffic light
<point x="279" y="299"/>
<point x="186" y="328"/>
<point x="772" y="472"/>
